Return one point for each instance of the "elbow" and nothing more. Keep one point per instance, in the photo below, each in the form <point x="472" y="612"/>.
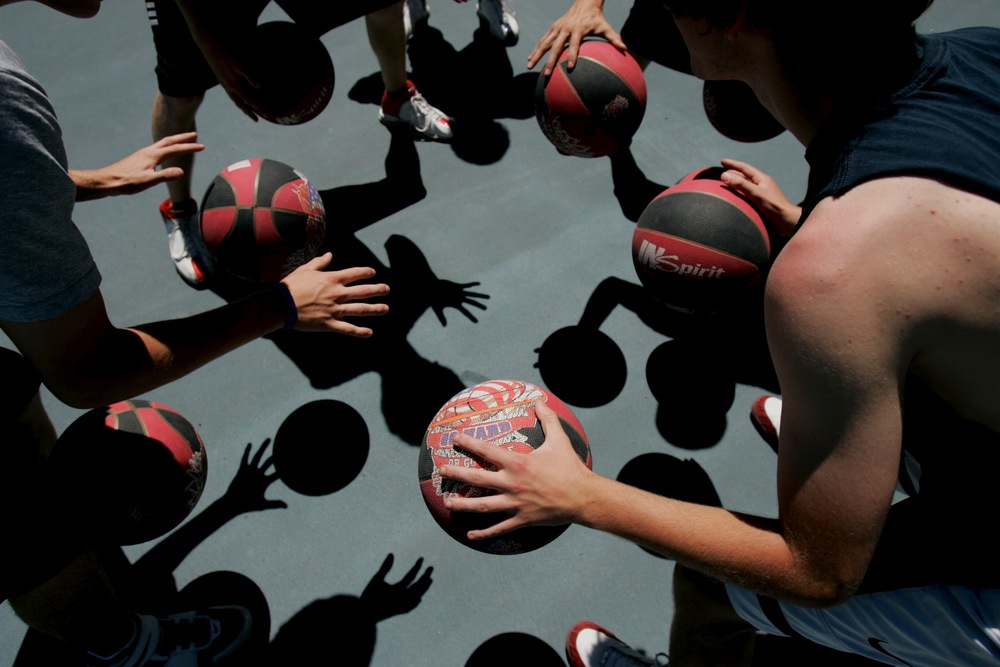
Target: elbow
<point x="78" y="393"/>
<point x="823" y="592"/>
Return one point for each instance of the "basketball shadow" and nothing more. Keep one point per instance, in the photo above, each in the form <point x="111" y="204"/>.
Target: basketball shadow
<point x="510" y="648"/>
<point x="329" y="360"/>
<point x="693" y="375"/>
<point x="475" y="86"/>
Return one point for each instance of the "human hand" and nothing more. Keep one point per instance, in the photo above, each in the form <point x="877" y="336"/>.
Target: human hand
<point x="764" y="193"/>
<point x="137" y="172"/>
<point x="324" y="298"/>
<point x="585" y="17"/>
<point x="246" y="491"/>
<point x="545" y="487"/>
<point x="384" y="600"/>
<point x="455" y="295"/>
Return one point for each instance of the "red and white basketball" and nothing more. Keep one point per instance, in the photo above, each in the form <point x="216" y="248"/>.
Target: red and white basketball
<point x="261" y="219"/>
<point x="133" y="470"/>
<point x="595" y="108"/>
<point x="700" y="245"/>
<point x="502" y="413"/>
<point x="296" y="77"/>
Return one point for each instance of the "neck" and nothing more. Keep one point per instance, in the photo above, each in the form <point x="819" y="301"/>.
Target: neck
<point x="801" y="108"/>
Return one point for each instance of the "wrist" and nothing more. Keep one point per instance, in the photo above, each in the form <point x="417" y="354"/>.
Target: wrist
<point x="290" y="310"/>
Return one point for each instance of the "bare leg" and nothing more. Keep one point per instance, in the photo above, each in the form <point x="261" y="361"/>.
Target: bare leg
<point x="173" y="115"/>
<point x="77" y="605"/>
<point x="706" y="629"/>
<point x="387" y="37"/>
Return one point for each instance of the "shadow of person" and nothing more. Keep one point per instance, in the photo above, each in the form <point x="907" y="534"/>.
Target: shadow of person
<point x="347" y="622"/>
<point x="329" y="360"/>
<point x="148" y="585"/>
<point x="475" y="86"/>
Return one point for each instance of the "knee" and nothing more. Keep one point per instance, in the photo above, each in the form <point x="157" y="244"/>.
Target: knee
<point x="180" y="110"/>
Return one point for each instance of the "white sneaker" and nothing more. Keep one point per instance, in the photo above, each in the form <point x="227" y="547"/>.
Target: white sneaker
<point x="765" y="414"/>
<point x="415" y="13"/>
<point x="425" y="121"/>
<point x="187" y="639"/>
<point x="191" y="258"/>
<point x="501" y="20"/>
<point x="590" y="645"/>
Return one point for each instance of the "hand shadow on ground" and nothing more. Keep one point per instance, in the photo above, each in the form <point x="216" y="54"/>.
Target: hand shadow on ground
<point x="474" y="86"/>
<point x="330" y="359"/>
<point x="149" y="585"/>
<point x="693" y="375"/>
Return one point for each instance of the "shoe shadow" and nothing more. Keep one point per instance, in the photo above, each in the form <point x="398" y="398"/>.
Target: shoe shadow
<point x="475" y="86"/>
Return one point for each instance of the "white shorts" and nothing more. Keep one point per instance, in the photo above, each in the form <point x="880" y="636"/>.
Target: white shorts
<point x="931" y="625"/>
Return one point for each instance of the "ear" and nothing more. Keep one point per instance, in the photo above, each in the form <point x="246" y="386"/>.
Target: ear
<point x="739" y="24"/>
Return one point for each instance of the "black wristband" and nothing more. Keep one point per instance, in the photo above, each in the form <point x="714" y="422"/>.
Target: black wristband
<point x="291" y="312"/>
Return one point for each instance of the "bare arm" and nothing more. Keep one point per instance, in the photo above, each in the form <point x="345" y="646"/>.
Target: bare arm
<point x="137" y="172"/>
<point x="87" y="362"/>
<point x="585" y="17"/>
<point x="839" y="452"/>
<point x="223" y="30"/>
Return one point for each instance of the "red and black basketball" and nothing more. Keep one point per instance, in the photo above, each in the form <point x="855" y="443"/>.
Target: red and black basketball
<point x="700" y="245"/>
<point x="261" y="219"/>
<point x="502" y="413"/>
<point x="133" y="470"/>
<point x="296" y="77"/>
<point x="593" y="109"/>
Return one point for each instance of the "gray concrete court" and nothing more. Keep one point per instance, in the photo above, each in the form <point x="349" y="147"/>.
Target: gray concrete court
<point x="539" y="232"/>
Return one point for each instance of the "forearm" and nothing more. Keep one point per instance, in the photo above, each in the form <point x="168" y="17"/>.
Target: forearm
<point x="93" y="184"/>
<point x="747" y="551"/>
<point x="128" y="362"/>
<point x="173" y="348"/>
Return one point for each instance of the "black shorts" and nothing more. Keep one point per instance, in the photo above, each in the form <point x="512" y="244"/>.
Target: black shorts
<point x="650" y="33"/>
<point x="181" y="69"/>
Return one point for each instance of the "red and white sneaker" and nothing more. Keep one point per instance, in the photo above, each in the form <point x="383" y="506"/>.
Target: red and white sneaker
<point x="191" y="258"/>
<point x="766" y="418"/>
<point x="413" y="110"/>
<point x="590" y="645"/>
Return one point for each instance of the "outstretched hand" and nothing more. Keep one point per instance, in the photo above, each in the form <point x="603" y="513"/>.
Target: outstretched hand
<point x="545" y="487"/>
<point x="246" y="491"/>
<point x="384" y="600"/>
<point x="137" y="172"/>
<point x="447" y="294"/>
<point x="764" y="193"/>
<point x="585" y="17"/>
<point x="324" y="298"/>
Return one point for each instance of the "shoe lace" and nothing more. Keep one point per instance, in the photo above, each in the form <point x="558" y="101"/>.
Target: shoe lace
<point x="187" y="633"/>
<point x="425" y="115"/>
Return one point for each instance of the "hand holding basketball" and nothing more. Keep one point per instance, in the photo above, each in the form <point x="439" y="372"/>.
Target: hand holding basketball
<point x="543" y="489"/>
<point x="324" y="298"/>
<point x="568" y="31"/>
<point x="764" y="193"/>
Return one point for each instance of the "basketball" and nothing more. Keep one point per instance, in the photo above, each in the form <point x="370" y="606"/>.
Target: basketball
<point x="500" y="412"/>
<point x="133" y="470"/>
<point x="734" y="110"/>
<point x="296" y="77"/>
<point x="700" y="245"/>
<point x="261" y="219"/>
<point x="593" y="109"/>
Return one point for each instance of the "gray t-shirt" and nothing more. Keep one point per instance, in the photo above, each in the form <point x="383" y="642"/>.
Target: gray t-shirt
<point x="46" y="267"/>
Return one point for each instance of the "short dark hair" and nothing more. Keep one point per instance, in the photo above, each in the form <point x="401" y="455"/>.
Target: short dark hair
<point x="838" y="41"/>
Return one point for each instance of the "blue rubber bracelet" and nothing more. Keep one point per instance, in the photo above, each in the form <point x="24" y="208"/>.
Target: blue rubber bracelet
<point x="291" y="312"/>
